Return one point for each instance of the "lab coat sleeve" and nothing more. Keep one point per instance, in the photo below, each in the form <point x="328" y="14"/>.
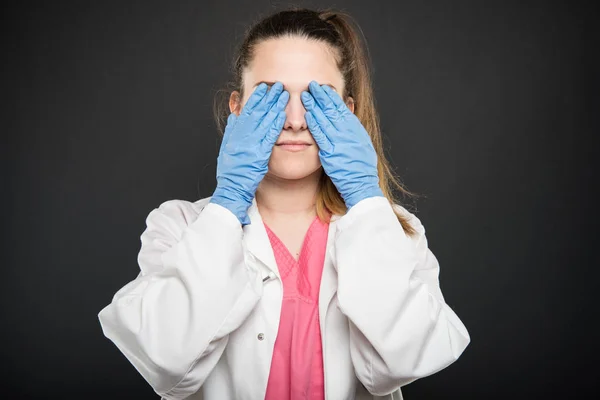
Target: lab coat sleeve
<point x="401" y="329"/>
<point x="194" y="288"/>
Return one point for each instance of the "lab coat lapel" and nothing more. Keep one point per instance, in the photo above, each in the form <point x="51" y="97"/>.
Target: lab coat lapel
<point x="256" y="240"/>
<point x="329" y="277"/>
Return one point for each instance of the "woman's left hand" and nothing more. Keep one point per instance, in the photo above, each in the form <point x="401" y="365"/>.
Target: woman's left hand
<point x="345" y="148"/>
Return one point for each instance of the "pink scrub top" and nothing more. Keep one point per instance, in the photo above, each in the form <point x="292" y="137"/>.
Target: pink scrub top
<point x="297" y="364"/>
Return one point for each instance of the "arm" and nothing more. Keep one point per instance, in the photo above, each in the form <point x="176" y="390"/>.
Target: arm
<point x="401" y="329"/>
<point x="172" y="322"/>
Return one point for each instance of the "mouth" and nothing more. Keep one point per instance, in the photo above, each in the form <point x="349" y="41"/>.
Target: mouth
<point x="289" y="146"/>
<point x="282" y="142"/>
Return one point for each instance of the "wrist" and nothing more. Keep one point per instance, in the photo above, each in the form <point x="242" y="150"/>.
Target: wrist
<point x="233" y="202"/>
<point x="364" y="193"/>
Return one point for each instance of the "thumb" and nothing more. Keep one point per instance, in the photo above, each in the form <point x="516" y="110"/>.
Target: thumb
<point x="322" y="141"/>
<point x="271" y="137"/>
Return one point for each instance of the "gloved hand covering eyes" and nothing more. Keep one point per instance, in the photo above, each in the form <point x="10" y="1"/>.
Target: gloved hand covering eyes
<point x="247" y="144"/>
<point x="345" y="148"/>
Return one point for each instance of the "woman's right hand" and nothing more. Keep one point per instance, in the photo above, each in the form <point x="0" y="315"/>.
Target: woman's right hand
<point x="246" y="148"/>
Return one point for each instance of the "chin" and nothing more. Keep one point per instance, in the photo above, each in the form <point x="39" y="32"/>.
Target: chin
<point x="293" y="168"/>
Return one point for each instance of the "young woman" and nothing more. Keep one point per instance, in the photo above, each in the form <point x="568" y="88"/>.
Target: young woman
<point x="300" y="277"/>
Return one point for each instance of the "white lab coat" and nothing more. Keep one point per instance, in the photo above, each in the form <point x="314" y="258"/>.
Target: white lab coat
<point x="201" y="318"/>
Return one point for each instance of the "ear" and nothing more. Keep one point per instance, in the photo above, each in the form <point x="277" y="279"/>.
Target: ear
<point x="350" y="103"/>
<point x="235" y="102"/>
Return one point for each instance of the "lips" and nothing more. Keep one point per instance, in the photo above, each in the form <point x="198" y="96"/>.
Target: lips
<point x="293" y="145"/>
<point x="292" y="142"/>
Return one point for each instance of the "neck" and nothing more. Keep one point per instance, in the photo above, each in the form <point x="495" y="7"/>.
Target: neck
<point x="288" y="198"/>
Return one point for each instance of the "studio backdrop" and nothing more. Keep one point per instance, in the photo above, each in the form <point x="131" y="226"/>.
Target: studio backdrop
<point x="489" y="113"/>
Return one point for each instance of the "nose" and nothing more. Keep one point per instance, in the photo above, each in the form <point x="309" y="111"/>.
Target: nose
<point x="295" y="111"/>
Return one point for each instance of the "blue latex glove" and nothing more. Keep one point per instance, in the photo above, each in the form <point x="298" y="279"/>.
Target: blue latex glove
<point x="345" y="148"/>
<point x="246" y="148"/>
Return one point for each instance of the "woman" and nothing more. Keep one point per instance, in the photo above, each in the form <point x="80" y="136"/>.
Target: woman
<point x="300" y="277"/>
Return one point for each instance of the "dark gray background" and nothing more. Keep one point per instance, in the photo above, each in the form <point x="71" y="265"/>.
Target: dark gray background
<point x="490" y="112"/>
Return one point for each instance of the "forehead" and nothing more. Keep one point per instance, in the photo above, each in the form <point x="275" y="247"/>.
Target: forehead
<point x="294" y="61"/>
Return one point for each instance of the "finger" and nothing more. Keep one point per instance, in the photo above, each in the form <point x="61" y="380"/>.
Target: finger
<point x="282" y="101"/>
<point x="320" y="137"/>
<point x="267" y="102"/>
<point x="324" y="101"/>
<point x="310" y="105"/>
<point x="273" y="134"/>
<point x="273" y="113"/>
<point x="231" y="120"/>
<point x="337" y="100"/>
<point x="254" y="99"/>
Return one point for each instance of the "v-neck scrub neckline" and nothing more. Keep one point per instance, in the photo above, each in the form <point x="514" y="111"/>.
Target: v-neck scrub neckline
<point x="283" y="248"/>
<point x="297" y="365"/>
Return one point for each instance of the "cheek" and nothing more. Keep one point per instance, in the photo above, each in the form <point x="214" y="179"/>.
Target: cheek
<point x="242" y="105"/>
<point x="243" y="102"/>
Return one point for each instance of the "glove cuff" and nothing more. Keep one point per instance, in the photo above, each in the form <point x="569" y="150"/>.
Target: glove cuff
<point x="352" y="200"/>
<point x="237" y="206"/>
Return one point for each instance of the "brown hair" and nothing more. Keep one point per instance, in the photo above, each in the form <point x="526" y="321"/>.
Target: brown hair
<point x="334" y="28"/>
